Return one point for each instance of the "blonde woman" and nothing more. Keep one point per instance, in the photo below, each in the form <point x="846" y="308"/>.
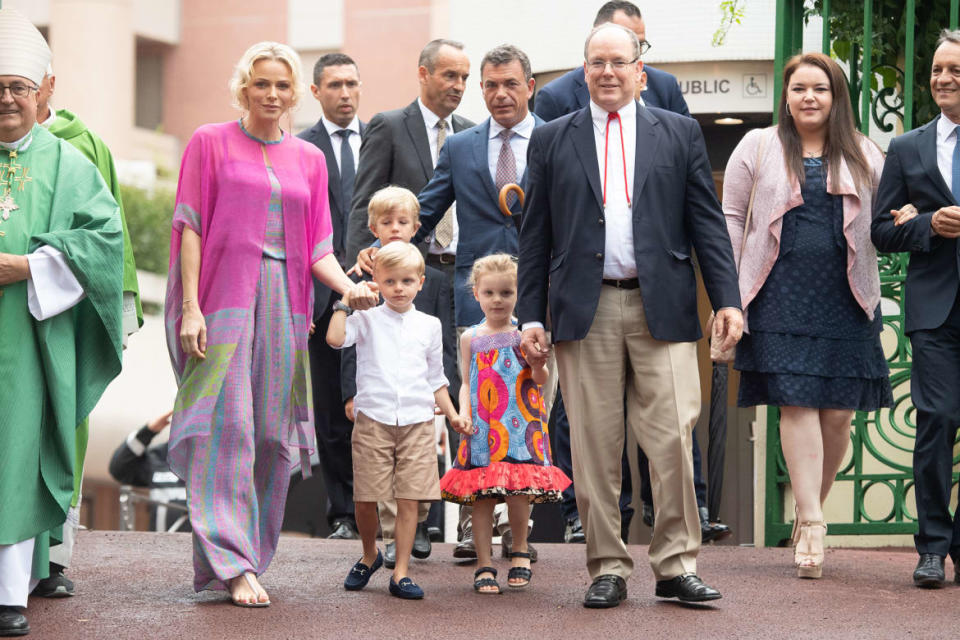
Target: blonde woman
<point x="250" y="230"/>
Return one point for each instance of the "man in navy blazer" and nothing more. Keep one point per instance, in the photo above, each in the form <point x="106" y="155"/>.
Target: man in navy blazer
<point x="336" y="86"/>
<point x="921" y="169"/>
<point x="568" y="93"/>
<point x="619" y="195"/>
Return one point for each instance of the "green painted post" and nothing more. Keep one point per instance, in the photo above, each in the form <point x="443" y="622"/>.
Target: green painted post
<point x="954" y="13"/>
<point x="825" y="15"/>
<point x="788" y="40"/>
<point x="867" y="67"/>
<point x="908" y="67"/>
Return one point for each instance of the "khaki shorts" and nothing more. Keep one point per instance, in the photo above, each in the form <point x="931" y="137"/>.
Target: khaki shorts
<point x="391" y="462"/>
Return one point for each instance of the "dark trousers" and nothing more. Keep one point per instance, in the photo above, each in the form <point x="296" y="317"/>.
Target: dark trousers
<point x="333" y="429"/>
<point x="560" y="427"/>
<point x="935" y="387"/>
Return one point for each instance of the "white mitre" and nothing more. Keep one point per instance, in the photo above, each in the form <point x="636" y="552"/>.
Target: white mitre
<point x="23" y="51"/>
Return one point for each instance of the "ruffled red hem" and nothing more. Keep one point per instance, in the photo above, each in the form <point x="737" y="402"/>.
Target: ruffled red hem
<point x="501" y="479"/>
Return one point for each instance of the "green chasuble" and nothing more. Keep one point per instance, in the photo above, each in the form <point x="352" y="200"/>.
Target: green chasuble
<point x="69" y="127"/>
<point x="54" y="371"/>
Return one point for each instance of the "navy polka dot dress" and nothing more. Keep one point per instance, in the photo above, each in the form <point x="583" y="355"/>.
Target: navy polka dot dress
<point x="810" y="344"/>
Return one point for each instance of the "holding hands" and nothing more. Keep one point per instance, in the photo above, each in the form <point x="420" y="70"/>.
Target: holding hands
<point x="536" y="348"/>
<point x="463" y="424"/>
<point x="363" y="295"/>
<point x="727" y="328"/>
<point x="904" y="214"/>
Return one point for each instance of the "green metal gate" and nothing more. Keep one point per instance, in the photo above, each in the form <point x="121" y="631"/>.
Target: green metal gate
<point x="879" y="466"/>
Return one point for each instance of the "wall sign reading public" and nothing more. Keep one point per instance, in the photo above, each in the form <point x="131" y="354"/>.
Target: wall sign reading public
<point x="725" y="87"/>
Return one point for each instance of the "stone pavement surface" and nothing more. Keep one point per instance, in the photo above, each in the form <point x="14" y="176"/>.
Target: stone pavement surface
<point x="138" y="586"/>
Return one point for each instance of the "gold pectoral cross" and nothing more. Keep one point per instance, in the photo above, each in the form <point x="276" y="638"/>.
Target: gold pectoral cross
<point x="23" y="179"/>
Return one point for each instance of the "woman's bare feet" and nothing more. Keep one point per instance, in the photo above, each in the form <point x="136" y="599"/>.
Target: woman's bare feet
<point x="246" y="591"/>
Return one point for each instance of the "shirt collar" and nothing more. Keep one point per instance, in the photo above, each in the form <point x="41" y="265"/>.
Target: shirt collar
<point x="49" y="121"/>
<point x="523" y="129"/>
<point x="390" y="313"/>
<point x="332" y="127"/>
<point x="945" y="127"/>
<point x="627" y="112"/>
<point x="431" y="119"/>
<point x="18" y="145"/>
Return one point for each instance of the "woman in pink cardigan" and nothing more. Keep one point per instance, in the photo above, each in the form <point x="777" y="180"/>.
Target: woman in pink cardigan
<point x="809" y="282"/>
<point x="250" y="230"/>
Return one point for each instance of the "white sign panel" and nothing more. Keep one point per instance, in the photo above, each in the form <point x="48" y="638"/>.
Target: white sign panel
<point x="725" y="87"/>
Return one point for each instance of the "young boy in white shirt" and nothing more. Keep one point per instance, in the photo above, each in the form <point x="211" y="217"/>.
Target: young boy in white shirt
<point x="399" y="381"/>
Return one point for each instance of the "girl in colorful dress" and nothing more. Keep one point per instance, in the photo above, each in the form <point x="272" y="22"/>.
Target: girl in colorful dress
<point x="506" y="456"/>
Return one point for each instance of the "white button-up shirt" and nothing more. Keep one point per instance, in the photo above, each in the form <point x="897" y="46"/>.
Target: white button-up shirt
<point x="430" y="119"/>
<point x="335" y="140"/>
<point x="619" y="258"/>
<point x="946" y="139"/>
<point x="399" y="364"/>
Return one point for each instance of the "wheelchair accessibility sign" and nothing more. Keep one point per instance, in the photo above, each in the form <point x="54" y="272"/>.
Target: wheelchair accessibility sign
<point x="755" y="85"/>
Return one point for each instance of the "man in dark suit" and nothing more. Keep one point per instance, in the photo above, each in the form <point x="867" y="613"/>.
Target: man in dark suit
<point x="619" y="196"/>
<point x="472" y="168"/>
<point x="568" y="93"/>
<point x="564" y="95"/>
<point x="401" y="146"/>
<point x="922" y="168"/>
<point x="336" y="86"/>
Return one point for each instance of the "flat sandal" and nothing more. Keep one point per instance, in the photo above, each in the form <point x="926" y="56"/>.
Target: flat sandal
<point x="519" y="573"/>
<point x="479" y="583"/>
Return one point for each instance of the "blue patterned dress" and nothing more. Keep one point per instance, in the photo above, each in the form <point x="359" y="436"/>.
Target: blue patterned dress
<point x="509" y="454"/>
<point x="810" y="343"/>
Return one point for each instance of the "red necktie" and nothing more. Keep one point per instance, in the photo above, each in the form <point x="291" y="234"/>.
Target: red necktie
<point x="623" y="152"/>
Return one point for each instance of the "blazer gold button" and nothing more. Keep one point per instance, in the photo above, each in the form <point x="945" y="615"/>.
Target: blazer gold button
<point x="598" y="256"/>
<point x="600" y="220"/>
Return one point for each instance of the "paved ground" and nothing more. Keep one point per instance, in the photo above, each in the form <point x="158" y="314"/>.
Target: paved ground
<point x="137" y="585"/>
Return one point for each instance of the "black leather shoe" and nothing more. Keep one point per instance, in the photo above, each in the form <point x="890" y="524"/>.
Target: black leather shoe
<point x="711" y="531"/>
<point x="465" y="549"/>
<point x="573" y="532"/>
<point x="56" y="586"/>
<point x="435" y="534"/>
<point x="686" y="588"/>
<point x="390" y="555"/>
<point x="506" y="546"/>
<point x="12" y="622"/>
<point x="606" y="591"/>
<point x="929" y="572"/>
<point x="956" y="570"/>
<point x="421" y="542"/>
<point x="344" y="530"/>
<point x="646" y="514"/>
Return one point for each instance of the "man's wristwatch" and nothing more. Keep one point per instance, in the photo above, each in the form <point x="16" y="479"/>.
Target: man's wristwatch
<point x="339" y="306"/>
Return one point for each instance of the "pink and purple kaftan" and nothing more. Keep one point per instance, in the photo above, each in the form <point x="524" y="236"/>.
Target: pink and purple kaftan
<point x="262" y="225"/>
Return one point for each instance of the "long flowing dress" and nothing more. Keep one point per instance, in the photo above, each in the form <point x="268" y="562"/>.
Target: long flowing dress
<point x="509" y="453"/>
<point x="810" y="343"/>
<point x="261" y="211"/>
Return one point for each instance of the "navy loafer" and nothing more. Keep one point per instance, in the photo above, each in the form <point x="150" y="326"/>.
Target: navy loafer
<point x="360" y="574"/>
<point x="406" y="589"/>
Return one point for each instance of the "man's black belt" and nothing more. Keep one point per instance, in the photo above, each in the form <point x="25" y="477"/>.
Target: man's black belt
<point x="628" y="283"/>
<point x="441" y="258"/>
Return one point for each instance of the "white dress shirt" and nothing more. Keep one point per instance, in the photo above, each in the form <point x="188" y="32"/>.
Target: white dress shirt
<point x="619" y="258"/>
<point x="354" y="139"/>
<point x="430" y="119"/>
<point x="519" y="142"/>
<point x="399" y="364"/>
<point x="946" y="140"/>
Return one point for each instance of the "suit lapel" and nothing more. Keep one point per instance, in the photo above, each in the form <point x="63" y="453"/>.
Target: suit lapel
<point x="648" y="140"/>
<point x="580" y="91"/>
<point x="480" y="143"/>
<point x="417" y="130"/>
<point x="333" y="171"/>
<point x="927" y="142"/>
<point x="584" y="143"/>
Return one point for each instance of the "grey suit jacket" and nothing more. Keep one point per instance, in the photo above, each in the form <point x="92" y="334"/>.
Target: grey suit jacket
<point x="395" y="150"/>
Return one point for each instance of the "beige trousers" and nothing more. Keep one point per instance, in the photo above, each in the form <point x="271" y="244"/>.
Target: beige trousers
<point x="662" y="386"/>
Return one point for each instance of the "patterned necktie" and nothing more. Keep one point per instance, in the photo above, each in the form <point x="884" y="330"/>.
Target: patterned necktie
<point x="955" y="187"/>
<point x="348" y="170"/>
<point x="443" y="233"/>
<point x="506" y="164"/>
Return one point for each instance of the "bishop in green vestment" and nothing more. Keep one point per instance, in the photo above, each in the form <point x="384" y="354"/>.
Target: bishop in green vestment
<point x="61" y="292"/>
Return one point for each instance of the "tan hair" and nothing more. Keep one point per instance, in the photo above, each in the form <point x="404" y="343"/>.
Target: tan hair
<point x="389" y="198"/>
<point x="496" y="263"/>
<point x="265" y="50"/>
<point x="400" y="254"/>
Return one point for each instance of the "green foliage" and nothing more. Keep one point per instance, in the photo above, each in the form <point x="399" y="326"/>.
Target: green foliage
<point x="889" y="38"/>
<point x="731" y="13"/>
<point x="149" y="217"/>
